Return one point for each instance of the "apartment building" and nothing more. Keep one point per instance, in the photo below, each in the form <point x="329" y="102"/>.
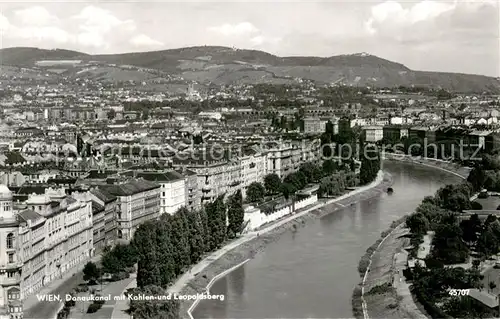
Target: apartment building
<point x="10" y="260"/>
<point x="215" y="176"/>
<point x="55" y="236"/>
<point x="422" y="133"/>
<point x="314" y="125"/>
<point x="253" y="169"/>
<point x="311" y="151"/>
<point x="284" y="159"/>
<point x="173" y="189"/>
<point x="105" y="210"/>
<point x="394" y="133"/>
<point x="192" y="193"/>
<point x="138" y="201"/>
<point x="70" y="114"/>
<point x="373" y="134"/>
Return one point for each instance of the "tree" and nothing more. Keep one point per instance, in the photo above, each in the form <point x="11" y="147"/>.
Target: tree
<point x="370" y="165"/>
<point x="487" y="244"/>
<point x="255" y="192"/>
<point x="216" y="216"/>
<point x="297" y="179"/>
<point x="165" y="251"/>
<point x="196" y="235"/>
<point x="469" y="234"/>
<point x="448" y="245"/>
<point x="91" y="272"/>
<point x="272" y="183"/>
<point x="155" y="308"/>
<point x="144" y="241"/>
<point x="312" y="172"/>
<point x="126" y="254"/>
<point x="111" y="264"/>
<point x="475" y="223"/>
<point x="235" y="214"/>
<point x="477" y="178"/>
<point x="288" y="189"/>
<point x="418" y="224"/>
<point x="117" y="259"/>
<point x="180" y="240"/>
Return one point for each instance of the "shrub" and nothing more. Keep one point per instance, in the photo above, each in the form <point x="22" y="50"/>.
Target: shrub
<point x="130" y="270"/>
<point x="433" y="263"/>
<point x="357" y="304"/>
<point x="483" y="195"/>
<point x="69" y="303"/>
<point x="363" y="265"/>
<point x="63" y="314"/>
<point x="82" y="288"/>
<point x="93" y="307"/>
<point x="476" y="206"/>
<point x="380" y="289"/>
<point x="100" y="302"/>
<point x="120" y="276"/>
<point x="432" y="310"/>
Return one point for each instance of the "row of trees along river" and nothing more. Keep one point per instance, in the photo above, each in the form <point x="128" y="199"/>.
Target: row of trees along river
<point x="164" y="249"/>
<point x="469" y="241"/>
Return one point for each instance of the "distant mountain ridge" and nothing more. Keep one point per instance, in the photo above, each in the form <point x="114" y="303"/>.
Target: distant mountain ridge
<point x="224" y="65"/>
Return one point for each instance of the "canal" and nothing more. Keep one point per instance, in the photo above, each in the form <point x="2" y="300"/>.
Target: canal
<point x="311" y="273"/>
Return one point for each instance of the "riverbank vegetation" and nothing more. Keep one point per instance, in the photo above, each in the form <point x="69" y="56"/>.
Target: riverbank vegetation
<point x="364" y="262"/>
<point x="459" y="246"/>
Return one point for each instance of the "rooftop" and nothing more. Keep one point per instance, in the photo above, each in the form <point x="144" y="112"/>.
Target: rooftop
<point x="169" y="176"/>
<point x="130" y="188"/>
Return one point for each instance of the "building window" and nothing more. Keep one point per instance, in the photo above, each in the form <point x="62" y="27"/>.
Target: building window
<point x="11" y="257"/>
<point x="13" y="294"/>
<point x="10" y="241"/>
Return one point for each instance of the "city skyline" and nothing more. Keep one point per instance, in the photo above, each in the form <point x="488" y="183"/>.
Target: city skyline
<point x="445" y="33"/>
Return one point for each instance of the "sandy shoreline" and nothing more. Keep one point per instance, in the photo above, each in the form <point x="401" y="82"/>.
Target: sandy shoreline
<point x="378" y="267"/>
<point x="248" y="249"/>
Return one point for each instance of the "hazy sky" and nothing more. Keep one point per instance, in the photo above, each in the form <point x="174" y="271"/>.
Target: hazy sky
<point x="456" y="36"/>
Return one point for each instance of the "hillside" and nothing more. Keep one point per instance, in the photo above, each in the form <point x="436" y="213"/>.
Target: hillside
<point x="223" y="65"/>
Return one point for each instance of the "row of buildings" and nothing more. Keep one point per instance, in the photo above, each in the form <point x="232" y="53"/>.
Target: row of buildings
<point x="50" y="224"/>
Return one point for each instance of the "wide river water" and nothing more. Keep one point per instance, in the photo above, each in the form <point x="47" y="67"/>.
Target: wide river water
<point x="311" y="273"/>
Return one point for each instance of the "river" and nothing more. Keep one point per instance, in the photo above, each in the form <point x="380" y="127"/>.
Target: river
<point x="311" y="273"/>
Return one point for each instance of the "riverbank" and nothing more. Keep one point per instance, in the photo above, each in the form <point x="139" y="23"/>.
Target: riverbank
<point x="383" y="291"/>
<point x="449" y="167"/>
<point x="199" y="281"/>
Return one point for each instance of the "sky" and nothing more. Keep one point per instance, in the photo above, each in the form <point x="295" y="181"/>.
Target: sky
<point x="434" y="35"/>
